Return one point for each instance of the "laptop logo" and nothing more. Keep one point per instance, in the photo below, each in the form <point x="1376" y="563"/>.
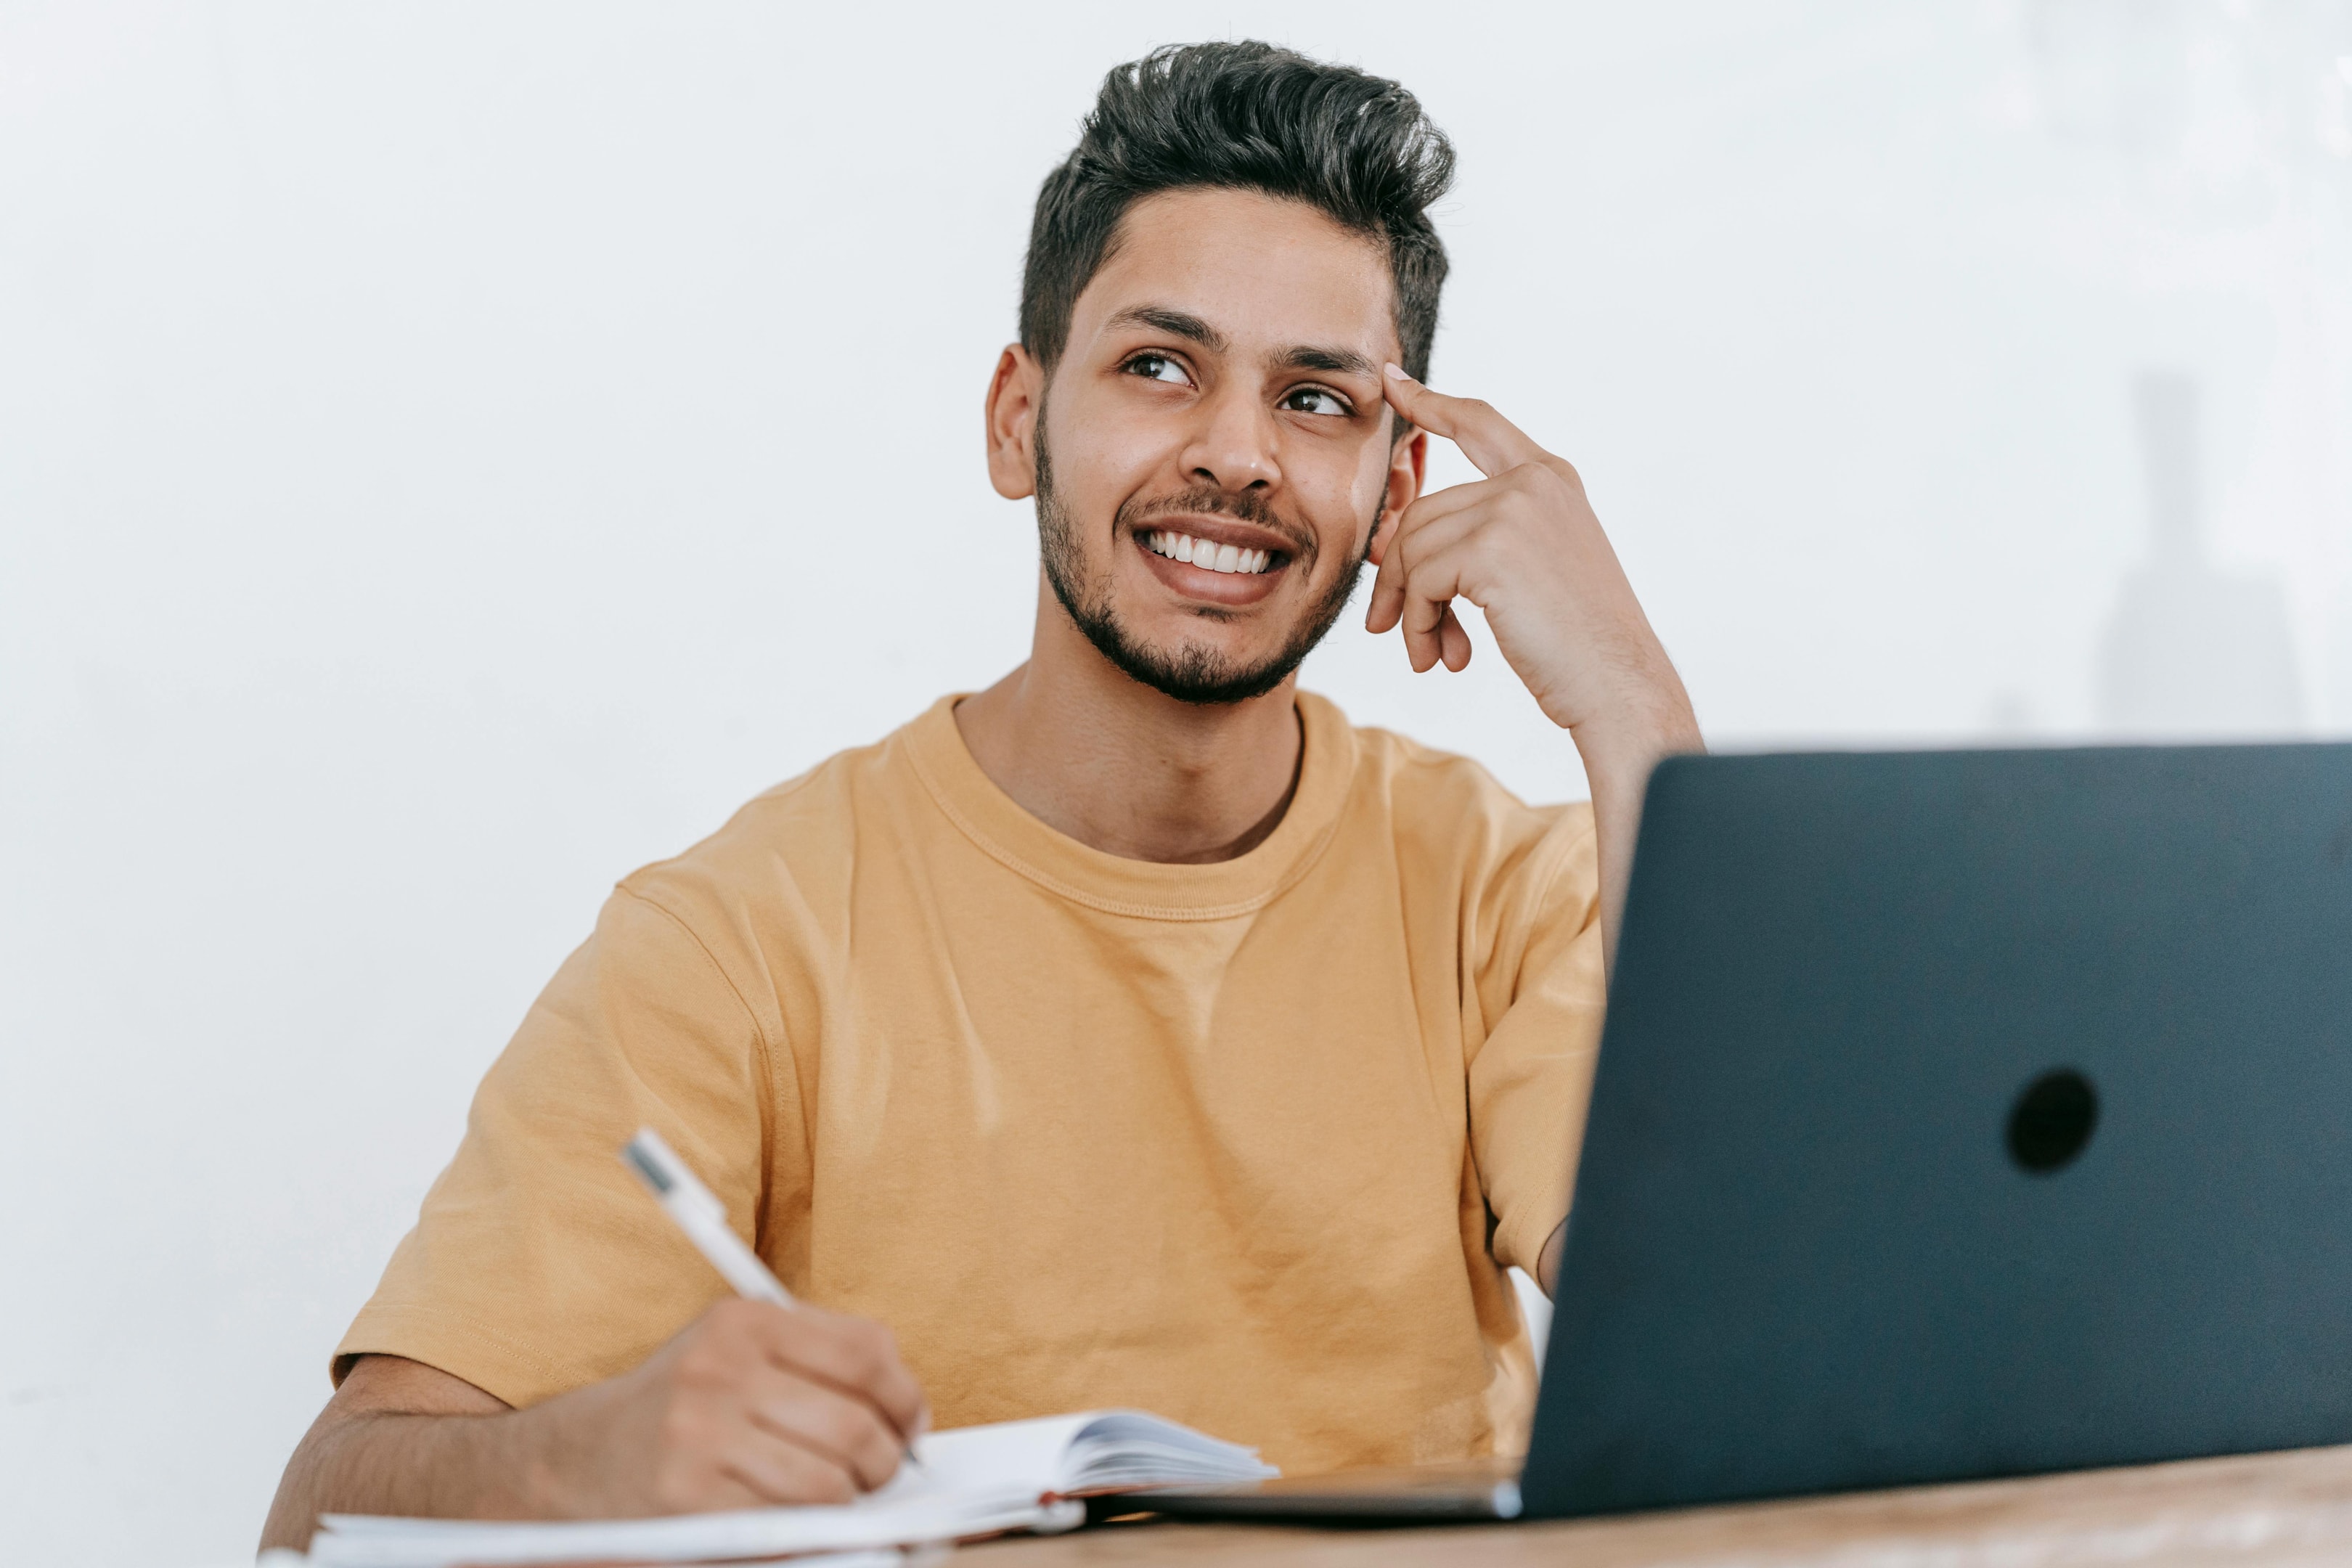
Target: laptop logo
<point x="2052" y="1121"/>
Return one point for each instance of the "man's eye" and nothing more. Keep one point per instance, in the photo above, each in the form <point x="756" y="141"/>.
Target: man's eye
<point x="1157" y="367"/>
<point x="1314" y="400"/>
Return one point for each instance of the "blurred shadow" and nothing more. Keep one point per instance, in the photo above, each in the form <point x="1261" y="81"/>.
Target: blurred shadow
<point x="2192" y="652"/>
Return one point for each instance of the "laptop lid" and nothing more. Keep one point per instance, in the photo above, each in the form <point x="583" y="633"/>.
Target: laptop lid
<point x="1963" y="1114"/>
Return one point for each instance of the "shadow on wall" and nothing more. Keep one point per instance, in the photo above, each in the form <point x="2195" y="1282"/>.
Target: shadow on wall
<point x="2193" y="652"/>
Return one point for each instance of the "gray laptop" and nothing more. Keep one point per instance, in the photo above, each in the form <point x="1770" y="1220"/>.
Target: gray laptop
<point x="1958" y="1114"/>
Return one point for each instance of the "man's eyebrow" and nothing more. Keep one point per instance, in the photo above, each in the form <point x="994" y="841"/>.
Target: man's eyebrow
<point x="1186" y="325"/>
<point x="1178" y="323"/>
<point x="1339" y="362"/>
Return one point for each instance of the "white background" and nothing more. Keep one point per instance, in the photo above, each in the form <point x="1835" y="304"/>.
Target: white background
<point x="451" y="455"/>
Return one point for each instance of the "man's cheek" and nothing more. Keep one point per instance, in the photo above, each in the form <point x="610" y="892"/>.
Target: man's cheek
<point x="1132" y="445"/>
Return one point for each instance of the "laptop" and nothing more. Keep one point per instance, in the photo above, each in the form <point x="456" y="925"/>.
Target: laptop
<point x="1958" y="1115"/>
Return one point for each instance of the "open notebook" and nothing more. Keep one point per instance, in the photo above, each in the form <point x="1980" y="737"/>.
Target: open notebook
<point x="975" y="1481"/>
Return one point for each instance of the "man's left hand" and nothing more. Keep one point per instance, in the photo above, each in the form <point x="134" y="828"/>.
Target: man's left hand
<point x="1523" y="545"/>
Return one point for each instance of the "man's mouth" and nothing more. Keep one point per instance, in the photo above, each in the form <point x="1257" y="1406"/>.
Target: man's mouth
<point x="1206" y="554"/>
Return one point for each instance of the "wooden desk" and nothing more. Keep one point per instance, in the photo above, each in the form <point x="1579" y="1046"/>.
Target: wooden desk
<point x="2270" y="1511"/>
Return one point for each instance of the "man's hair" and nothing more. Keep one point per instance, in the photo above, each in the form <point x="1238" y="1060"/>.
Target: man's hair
<point x="1244" y="116"/>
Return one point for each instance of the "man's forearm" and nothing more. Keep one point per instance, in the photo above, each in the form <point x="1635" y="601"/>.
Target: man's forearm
<point x="751" y="1405"/>
<point x="448" y="1466"/>
<point x="1618" y="760"/>
<point x="403" y="1437"/>
<point x="1547" y="1262"/>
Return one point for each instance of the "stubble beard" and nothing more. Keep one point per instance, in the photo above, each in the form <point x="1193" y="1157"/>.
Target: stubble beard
<point x="1188" y="672"/>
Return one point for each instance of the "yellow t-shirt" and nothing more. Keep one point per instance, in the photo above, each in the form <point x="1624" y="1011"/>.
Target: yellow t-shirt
<point x="1246" y="1144"/>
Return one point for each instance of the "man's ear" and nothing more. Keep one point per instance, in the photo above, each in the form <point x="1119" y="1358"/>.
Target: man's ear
<point x="1407" y="466"/>
<point x="1016" y="397"/>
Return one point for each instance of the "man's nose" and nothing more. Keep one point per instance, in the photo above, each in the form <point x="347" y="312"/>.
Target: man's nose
<point x="1231" y="445"/>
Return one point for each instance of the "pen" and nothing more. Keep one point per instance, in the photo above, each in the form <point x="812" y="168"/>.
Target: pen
<point x="698" y="1213"/>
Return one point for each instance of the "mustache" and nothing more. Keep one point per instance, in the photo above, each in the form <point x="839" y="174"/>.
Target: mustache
<point x="1209" y="500"/>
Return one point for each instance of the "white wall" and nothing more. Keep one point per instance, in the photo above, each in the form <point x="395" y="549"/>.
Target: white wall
<point x="451" y="455"/>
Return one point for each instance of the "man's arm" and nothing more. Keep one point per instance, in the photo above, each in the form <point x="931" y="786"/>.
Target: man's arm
<point x="1523" y="544"/>
<point x="753" y="1405"/>
<point x="1548" y="1264"/>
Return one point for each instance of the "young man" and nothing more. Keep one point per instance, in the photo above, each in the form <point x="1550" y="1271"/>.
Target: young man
<point x="1135" y="1032"/>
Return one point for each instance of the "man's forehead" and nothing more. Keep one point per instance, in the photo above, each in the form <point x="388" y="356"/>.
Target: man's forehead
<point x="1267" y="275"/>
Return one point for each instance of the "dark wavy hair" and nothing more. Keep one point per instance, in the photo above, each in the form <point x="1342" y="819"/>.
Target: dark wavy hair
<point x="1245" y="116"/>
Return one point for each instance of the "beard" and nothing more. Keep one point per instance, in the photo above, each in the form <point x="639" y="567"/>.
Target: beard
<point x="1187" y="672"/>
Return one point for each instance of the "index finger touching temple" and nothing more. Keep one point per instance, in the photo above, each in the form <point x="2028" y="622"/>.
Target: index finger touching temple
<point x="1490" y="441"/>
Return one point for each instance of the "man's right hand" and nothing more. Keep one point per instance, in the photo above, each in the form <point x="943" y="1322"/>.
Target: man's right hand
<point x="751" y="1404"/>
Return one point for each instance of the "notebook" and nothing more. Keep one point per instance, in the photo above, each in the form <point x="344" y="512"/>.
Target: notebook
<point x="975" y="1481"/>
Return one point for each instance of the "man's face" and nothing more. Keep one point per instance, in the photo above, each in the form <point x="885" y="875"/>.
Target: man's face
<point x="1214" y="454"/>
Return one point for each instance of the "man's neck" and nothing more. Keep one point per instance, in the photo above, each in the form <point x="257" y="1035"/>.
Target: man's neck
<point x="1122" y="768"/>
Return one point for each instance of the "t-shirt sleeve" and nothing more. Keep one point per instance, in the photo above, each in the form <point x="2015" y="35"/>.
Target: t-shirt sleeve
<point x="538" y="1263"/>
<point x="1540" y="990"/>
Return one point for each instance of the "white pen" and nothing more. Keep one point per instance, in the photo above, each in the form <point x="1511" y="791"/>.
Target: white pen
<point x="699" y="1214"/>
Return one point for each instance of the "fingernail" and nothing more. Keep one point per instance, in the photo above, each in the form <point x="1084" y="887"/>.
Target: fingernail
<point x="1396" y="373"/>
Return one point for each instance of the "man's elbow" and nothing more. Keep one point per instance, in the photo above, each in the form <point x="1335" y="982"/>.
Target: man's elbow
<point x="318" y="1481"/>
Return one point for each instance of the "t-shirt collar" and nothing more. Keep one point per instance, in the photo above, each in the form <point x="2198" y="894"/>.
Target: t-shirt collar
<point x="1148" y="889"/>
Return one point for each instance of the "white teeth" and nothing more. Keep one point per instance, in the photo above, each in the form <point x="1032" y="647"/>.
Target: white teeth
<point x="1203" y="553"/>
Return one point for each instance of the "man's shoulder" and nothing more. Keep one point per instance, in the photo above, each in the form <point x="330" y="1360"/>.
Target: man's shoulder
<point x="1428" y="785"/>
<point x="790" y="839"/>
<point x="1452" y="822"/>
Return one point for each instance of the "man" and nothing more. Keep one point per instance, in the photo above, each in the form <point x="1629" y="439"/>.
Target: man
<point x="1135" y="1032"/>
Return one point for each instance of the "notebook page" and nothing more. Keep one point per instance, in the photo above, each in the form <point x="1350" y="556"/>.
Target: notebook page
<point x="1002" y="1457"/>
<point x="1118" y="1448"/>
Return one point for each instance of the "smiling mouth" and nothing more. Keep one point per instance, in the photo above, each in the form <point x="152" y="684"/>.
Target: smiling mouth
<point x="1207" y="555"/>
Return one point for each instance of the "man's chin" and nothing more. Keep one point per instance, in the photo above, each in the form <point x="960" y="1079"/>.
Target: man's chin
<point x="1194" y="672"/>
<point x="1211" y="656"/>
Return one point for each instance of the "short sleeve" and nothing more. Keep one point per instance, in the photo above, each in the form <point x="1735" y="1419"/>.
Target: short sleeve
<point x="538" y="1263"/>
<point x="1541" y="990"/>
